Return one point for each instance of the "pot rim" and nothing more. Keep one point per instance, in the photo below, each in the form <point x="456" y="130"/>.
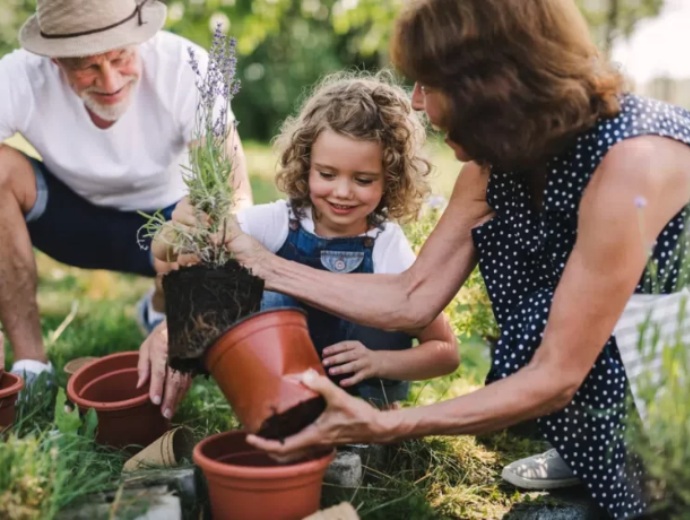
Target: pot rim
<point x="101" y="406"/>
<point x="14" y="387"/>
<point x="250" y="317"/>
<point x="251" y="472"/>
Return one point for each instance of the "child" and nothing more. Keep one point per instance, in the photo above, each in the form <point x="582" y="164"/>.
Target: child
<point x="350" y="165"/>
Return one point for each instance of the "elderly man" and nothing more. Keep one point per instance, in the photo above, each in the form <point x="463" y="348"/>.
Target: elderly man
<point x="108" y="101"/>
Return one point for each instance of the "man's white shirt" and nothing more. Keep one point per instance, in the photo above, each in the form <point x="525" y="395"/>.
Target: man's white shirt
<point x="134" y="164"/>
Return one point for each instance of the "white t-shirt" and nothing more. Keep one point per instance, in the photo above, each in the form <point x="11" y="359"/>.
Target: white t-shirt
<point x="269" y="224"/>
<point x="134" y="164"/>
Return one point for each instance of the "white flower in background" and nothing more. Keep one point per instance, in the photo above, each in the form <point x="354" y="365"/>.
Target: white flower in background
<point x="436" y="202"/>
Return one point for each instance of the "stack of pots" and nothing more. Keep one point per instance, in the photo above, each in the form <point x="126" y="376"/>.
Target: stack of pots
<point x="258" y="365"/>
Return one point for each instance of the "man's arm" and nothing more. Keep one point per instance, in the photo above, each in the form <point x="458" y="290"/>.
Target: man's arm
<point x="240" y="176"/>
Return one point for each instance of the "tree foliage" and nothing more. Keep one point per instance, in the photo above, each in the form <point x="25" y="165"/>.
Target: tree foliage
<point x="611" y="19"/>
<point x="286" y="45"/>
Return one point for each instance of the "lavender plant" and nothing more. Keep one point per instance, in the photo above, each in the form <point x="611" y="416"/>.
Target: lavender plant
<point x="209" y="174"/>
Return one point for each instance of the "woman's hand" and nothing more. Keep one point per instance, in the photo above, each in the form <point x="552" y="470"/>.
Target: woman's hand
<point x="346" y="419"/>
<point x="167" y="386"/>
<point x="351" y="357"/>
<point x="247" y="250"/>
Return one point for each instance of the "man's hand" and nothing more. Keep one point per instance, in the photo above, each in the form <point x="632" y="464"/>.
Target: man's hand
<point x="347" y="419"/>
<point x="351" y="357"/>
<point x="167" y="386"/>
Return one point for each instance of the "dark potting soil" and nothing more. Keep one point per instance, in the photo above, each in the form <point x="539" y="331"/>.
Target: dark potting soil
<point x="295" y="419"/>
<point x="201" y="303"/>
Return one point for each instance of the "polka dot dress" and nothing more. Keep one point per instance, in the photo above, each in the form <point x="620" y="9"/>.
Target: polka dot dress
<point x="522" y="254"/>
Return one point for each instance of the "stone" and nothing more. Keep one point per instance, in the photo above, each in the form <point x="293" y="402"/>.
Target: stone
<point x="373" y="456"/>
<point x="180" y="480"/>
<point x="563" y="504"/>
<point x="342" y="511"/>
<point x="154" y="503"/>
<point x="345" y="470"/>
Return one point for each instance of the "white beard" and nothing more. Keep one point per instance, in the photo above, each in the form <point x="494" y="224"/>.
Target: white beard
<point x="109" y="112"/>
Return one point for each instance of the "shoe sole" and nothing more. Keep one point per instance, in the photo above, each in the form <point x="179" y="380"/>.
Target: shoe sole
<point x="538" y="485"/>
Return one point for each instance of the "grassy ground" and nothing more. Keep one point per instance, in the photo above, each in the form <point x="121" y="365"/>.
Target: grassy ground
<point x="49" y="461"/>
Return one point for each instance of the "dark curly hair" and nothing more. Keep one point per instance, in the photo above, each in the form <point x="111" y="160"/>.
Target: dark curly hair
<point x="520" y="78"/>
<point x="365" y="107"/>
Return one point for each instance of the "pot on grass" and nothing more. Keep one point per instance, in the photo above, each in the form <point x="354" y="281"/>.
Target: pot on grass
<point x="126" y="416"/>
<point x="246" y="484"/>
<point x="258" y="365"/>
<point x="10" y="386"/>
<point x="201" y="303"/>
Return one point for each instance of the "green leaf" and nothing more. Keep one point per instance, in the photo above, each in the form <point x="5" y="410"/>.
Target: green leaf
<point x="90" y="424"/>
<point x="66" y="419"/>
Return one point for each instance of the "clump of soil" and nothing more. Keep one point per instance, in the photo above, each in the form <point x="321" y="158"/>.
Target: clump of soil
<point x="294" y="420"/>
<point x="201" y="303"/>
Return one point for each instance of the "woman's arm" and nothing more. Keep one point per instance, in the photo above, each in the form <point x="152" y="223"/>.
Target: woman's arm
<point x="409" y="300"/>
<point x="614" y="240"/>
<point x="436" y="355"/>
<point x="601" y="273"/>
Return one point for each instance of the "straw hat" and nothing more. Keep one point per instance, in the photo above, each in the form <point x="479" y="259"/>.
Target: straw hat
<point x="75" y="28"/>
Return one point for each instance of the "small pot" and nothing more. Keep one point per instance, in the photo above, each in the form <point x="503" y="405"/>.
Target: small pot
<point x="246" y="484"/>
<point x="258" y="365"/>
<point x="10" y="386"/>
<point x="126" y="416"/>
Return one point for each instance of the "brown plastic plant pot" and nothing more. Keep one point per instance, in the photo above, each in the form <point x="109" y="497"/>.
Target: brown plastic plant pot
<point x="258" y="365"/>
<point x="10" y="386"/>
<point x="126" y="416"/>
<point x="246" y="484"/>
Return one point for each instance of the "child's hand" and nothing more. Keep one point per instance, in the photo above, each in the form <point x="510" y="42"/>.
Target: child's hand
<point x="351" y="357"/>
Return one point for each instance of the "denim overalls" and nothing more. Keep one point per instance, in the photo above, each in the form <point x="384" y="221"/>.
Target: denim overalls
<point x="340" y="255"/>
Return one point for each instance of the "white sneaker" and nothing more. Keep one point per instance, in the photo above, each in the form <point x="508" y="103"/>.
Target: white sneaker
<point x="32" y="371"/>
<point x="544" y="471"/>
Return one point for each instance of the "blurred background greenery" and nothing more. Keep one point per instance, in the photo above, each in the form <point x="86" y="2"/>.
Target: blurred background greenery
<point x="286" y="45"/>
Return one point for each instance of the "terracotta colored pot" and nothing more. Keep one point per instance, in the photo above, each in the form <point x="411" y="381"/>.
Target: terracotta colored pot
<point x="126" y="416"/>
<point x="246" y="484"/>
<point x="10" y="385"/>
<point x="258" y="364"/>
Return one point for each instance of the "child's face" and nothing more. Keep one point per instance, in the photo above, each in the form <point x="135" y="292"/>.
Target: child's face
<point x="345" y="183"/>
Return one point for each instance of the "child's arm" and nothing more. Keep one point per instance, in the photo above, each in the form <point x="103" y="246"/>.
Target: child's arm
<point x="436" y="355"/>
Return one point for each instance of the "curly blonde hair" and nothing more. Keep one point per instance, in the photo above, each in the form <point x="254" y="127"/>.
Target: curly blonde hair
<point x="363" y="107"/>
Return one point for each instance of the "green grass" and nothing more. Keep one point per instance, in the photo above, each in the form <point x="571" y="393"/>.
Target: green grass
<point x="92" y="313"/>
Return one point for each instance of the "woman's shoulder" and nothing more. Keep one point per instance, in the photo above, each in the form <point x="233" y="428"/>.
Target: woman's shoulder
<point x="571" y="171"/>
<point x="640" y="116"/>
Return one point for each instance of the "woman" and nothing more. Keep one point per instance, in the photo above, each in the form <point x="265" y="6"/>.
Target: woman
<point x="557" y="157"/>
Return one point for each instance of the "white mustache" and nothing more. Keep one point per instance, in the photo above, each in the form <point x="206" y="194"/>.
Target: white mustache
<point x="127" y="80"/>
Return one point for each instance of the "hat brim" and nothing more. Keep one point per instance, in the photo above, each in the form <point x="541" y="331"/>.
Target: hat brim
<point x="129" y="33"/>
